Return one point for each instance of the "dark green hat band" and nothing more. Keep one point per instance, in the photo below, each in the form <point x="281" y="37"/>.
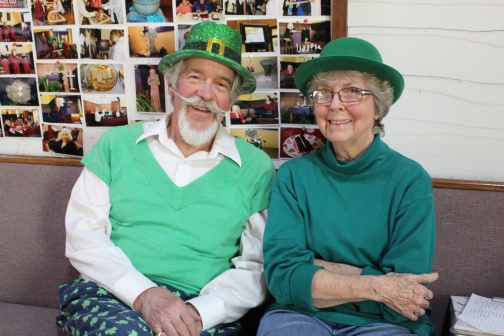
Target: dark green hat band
<point x="216" y="48"/>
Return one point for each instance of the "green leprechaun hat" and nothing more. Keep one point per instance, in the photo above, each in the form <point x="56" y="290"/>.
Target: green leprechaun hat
<point x="349" y="53"/>
<point x="217" y="42"/>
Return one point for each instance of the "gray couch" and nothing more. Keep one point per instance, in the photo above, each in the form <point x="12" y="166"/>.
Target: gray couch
<point x="33" y="201"/>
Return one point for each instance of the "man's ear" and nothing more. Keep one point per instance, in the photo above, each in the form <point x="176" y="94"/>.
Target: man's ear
<point x="170" y="92"/>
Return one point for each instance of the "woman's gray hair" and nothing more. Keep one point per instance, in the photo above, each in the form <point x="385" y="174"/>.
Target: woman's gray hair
<point x="383" y="93"/>
<point x="172" y="76"/>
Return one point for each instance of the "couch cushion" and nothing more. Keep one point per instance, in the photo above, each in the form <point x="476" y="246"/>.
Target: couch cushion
<point x="28" y="320"/>
<point x="33" y="202"/>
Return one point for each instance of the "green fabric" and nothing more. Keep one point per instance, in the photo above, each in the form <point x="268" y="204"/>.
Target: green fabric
<point x="376" y="212"/>
<point x="183" y="236"/>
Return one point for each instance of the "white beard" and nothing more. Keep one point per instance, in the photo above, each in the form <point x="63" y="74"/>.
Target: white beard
<point x="193" y="136"/>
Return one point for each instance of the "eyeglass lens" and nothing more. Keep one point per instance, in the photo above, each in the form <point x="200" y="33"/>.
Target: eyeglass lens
<point x="346" y="95"/>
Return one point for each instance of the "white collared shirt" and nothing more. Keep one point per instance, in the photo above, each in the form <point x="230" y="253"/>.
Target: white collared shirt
<point x="90" y="250"/>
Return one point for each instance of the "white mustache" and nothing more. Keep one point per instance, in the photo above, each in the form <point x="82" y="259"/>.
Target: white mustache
<point x="199" y="102"/>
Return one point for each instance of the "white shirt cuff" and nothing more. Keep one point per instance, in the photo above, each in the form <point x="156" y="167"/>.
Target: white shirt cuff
<point x="130" y="286"/>
<point x="211" y="309"/>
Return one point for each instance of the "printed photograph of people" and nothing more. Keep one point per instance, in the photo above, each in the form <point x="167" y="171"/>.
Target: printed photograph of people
<point x="149" y="11"/>
<point x="15" y="27"/>
<point x="255" y="108"/>
<point x="63" y="140"/>
<point x="297" y="142"/>
<point x="55" y="43"/>
<point x="104" y="44"/>
<point x="304" y="37"/>
<point x="288" y="66"/>
<point x="257" y="35"/>
<point x="105" y="78"/>
<point x="251" y="7"/>
<point x="105" y="111"/>
<point x="93" y="12"/>
<point x="305" y="7"/>
<point x="18" y="91"/>
<point x="57" y="108"/>
<point x="21" y="123"/>
<point x="193" y="11"/>
<point x="294" y="109"/>
<point x="16" y="59"/>
<point x="263" y="138"/>
<point x="149" y="84"/>
<point x="57" y="77"/>
<point x="151" y="41"/>
<point x="51" y="13"/>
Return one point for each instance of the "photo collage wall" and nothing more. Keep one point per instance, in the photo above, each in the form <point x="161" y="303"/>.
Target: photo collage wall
<point x="71" y="69"/>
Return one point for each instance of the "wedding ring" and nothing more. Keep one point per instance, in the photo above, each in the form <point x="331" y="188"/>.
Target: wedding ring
<point x="417" y="314"/>
<point x="158" y="333"/>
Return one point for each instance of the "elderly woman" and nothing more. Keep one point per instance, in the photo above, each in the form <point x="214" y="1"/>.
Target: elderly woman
<point x="64" y="146"/>
<point x="349" y="241"/>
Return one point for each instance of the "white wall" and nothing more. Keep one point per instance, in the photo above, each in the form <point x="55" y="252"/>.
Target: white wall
<point x="451" y="115"/>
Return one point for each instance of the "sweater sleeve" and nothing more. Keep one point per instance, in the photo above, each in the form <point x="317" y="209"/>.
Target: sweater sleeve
<point x="412" y="241"/>
<point x="288" y="262"/>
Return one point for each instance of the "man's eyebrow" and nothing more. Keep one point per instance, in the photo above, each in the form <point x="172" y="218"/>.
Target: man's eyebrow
<point x="200" y="72"/>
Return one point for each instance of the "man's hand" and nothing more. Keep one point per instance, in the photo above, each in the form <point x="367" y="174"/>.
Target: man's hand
<point x="166" y="313"/>
<point x="404" y="293"/>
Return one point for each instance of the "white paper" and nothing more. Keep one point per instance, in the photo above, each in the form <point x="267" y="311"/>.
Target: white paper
<point x="484" y="314"/>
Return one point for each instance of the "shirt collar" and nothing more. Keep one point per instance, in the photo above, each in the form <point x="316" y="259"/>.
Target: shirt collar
<point x="224" y="143"/>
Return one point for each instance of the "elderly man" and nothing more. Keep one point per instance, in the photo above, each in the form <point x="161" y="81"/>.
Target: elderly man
<point x="165" y="223"/>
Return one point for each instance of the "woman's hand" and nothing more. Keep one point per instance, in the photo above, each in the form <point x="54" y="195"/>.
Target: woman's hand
<point x="404" y="293"/>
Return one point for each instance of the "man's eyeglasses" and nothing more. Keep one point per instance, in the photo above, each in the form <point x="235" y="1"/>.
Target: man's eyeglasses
<point x="346" y="95"/>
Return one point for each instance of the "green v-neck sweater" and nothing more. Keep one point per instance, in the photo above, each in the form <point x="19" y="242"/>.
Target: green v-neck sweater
<point x="376" y="213"/>
<point x="181" y="236"/>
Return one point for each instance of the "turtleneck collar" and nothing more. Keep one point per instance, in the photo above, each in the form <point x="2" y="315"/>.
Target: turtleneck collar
<point x="375" y="154"/>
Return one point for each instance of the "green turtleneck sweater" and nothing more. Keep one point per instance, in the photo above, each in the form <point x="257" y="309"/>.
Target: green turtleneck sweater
<point x="376" y="213"/>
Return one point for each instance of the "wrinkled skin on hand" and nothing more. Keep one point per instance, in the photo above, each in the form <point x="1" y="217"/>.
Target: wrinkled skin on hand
<point x="166" y="312"/>
<point x="404" y="293"/>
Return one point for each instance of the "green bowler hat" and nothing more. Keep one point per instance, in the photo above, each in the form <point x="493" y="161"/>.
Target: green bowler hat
<point x="349" y="53"/>
<point x="217" y="42"/>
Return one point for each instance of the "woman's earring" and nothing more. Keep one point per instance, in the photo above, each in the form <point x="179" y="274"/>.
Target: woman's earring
<point x="376" y="129"/>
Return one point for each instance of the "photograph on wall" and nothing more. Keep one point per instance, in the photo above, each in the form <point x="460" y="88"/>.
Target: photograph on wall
<point x="64" y="140"/>
<point x="52" y="13"/>
<point x="21" y="122"/>
<point x="199" y="10"/>
<point x="303" y="38"/>
<point x="257" y="35"/>
<point x="16" y="59"/>
<point x="295" y="109"/>
<point x="55" y="43"/>
<point x="250" y="7"/>
<point x="105" y="111"/>
<point x="150" y="89"/>
<point x="265" y="139"/>
<point x="255" y="108"/>
<point x="15" y="27"/>
<point x="103" y="44"/>
<point x="295" y="142"/>
<point x="59" y="108"/>
<point x="152" y="11"/>
<point x="264" y="69"/>
<point x="151" y="41"/>
<point x="18" y="91"/>
<point x="96" y="13"/>
<point x="306" y="7"/>
<point x="57" y="77"/>
<point x="102" y="78"/>
<point x="183" y="32"/>
<point x="13" y="4"/>
<point x="288" y="68"/>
